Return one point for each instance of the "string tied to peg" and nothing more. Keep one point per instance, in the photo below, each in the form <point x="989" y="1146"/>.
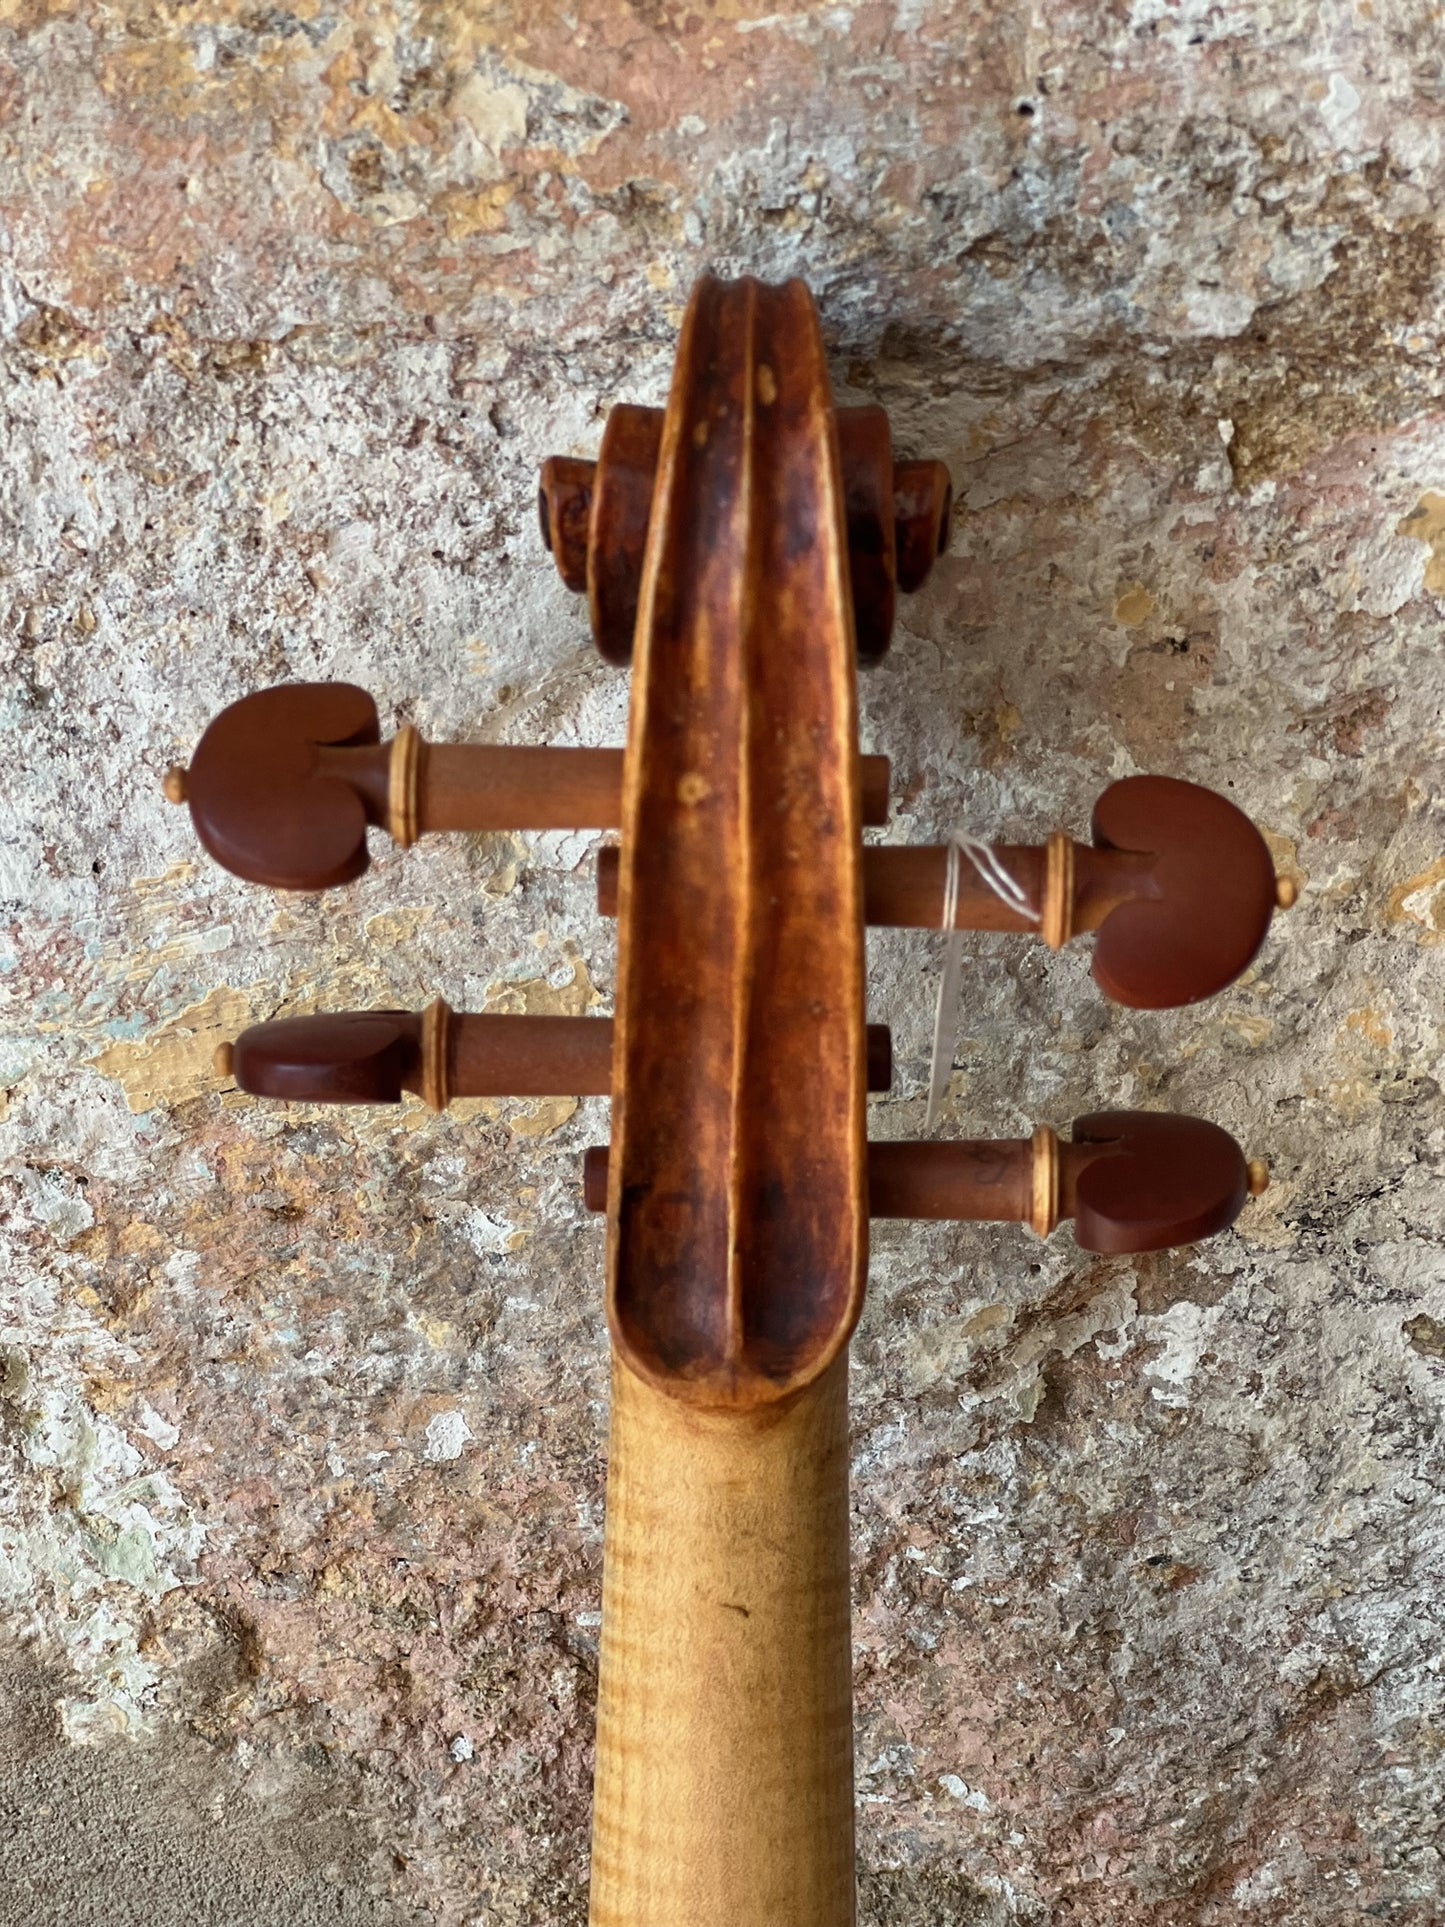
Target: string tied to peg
<point x="1052" y="920"/>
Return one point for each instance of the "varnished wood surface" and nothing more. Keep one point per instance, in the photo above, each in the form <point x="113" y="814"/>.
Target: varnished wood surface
<point x="738" y="1209"/>
<point x="724" y="1779"/>
<point x="492" y="786"/>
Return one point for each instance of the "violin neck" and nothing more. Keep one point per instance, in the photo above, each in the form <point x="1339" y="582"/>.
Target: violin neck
<point x="724" y="1780"/>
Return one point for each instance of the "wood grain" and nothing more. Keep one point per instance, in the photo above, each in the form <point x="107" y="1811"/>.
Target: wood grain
<point x="724" y="1780"/>
<point x="738" y="1214"/>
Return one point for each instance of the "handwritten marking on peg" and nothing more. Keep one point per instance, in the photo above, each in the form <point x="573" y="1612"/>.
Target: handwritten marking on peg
<point x="1147" y="1180"/>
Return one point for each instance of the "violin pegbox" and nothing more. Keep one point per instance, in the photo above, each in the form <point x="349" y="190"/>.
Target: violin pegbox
<point x="1176" y="886"/>
<point x="742" y="550"/>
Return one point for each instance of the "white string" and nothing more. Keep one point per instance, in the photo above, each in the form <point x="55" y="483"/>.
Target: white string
<point x="1007" y="888"/>
<point x="1002" y="882"/>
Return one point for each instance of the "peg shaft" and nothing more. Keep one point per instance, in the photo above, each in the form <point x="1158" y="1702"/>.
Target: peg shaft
<point x="1132" y="1181"/>
<point x="375" y="1056"/>
<point x="491" y="786"/>
<point x="1178" y="884"/>
<point x="904" y="887"/>
<point x="480" y="786"/>
<point x="285" y="783"/>
<point x="979" y="1180"/>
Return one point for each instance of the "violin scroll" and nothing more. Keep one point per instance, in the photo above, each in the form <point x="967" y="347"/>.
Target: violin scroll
<point x="595" y="518"/>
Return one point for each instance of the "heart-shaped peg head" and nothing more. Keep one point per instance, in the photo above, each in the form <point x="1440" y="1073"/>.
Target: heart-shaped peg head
<point x="1146" y="1180"/>
<point x="1206" y="899"/>
<point x="263" y="804"/>
<point x="348" y="1057"/>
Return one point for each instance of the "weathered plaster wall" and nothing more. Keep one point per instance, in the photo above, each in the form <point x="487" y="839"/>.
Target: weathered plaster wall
<point x="302" y="1412"/>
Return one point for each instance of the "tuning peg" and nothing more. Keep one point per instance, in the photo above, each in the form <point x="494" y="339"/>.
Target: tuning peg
<point x="594" y="518"/>
<point x="1178" y="885"/>
<point x="1145" y="1180"/>
<point x="374" y="1056"/>
<point x="1132" y="1181"/>
<point x="1203" y="903"/>
<point x="284" y="784"/>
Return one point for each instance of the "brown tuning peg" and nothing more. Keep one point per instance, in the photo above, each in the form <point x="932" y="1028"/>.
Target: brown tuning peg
<point x="1131" y="1180"/>
<point x="595" y="516"/>
<point x="1200" y="908"/>
<point x="284" y="784"/>
<point x="1178" y="885"/>
<point x="1146" y="1180"/>
<point x="374" y="1056"/>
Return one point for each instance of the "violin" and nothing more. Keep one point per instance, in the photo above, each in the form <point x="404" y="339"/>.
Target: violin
<point x="742" y="551"/>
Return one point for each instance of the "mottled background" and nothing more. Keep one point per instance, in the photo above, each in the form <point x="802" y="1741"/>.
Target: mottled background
<point x="301" y="1413"/>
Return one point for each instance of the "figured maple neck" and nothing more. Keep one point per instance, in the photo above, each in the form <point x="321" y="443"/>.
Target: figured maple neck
<point x="724" y="1781"/>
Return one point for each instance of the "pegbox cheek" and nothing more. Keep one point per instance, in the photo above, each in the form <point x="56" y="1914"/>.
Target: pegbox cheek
<point x="1162" y="1181"/>
<point x="259" y="802"/>
<point x="1211" y="893"/>
<point x="865" y="445"/>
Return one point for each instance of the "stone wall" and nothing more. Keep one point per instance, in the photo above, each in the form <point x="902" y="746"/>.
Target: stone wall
<point x="300" y="1488"/>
